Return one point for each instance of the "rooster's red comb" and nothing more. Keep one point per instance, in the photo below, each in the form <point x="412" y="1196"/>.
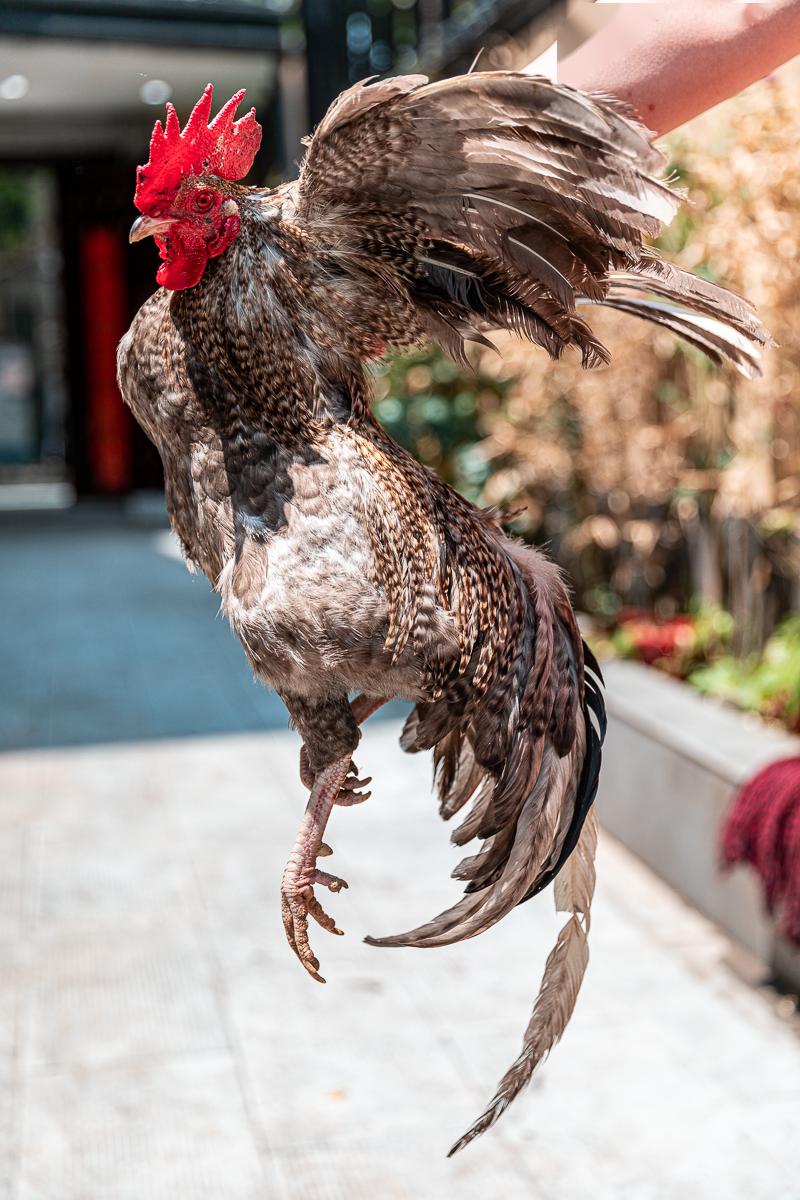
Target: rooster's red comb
<point x="222" y="147"/>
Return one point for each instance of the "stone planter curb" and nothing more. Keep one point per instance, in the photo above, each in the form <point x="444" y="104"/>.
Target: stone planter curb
<point x="672" y="765"/>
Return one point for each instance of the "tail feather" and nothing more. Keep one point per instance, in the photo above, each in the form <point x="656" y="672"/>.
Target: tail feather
<point x="711" y="318"/>
<point x="527" y="760"/>
<point x="596" y="723"/>
<point x="561" y="982"/>
<point x="533" y="839"/>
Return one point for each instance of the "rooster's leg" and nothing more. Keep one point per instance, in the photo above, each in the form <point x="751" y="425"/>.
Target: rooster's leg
<point x="297" y="883"/>
<point x="362" y="707"/>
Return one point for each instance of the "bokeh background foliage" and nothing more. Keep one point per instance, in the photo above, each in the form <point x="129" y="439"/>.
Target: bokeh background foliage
<point x="660" y="483"/>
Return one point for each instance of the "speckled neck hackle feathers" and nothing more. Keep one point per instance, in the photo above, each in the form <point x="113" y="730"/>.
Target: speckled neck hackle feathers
<point x="422" y="211"/>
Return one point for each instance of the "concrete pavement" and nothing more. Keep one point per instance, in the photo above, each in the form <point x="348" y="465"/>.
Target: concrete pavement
<point x="105" y="636"/>
<point x="159" y="1042"/>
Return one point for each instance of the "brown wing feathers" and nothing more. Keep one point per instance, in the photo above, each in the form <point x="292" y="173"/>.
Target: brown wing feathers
<point x="499" y="200"/>
<point x="528" y="198"/>
<point x="518" y="759"/>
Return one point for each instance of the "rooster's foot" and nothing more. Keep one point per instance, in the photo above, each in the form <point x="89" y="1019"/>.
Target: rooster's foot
<point x="298" y="901"/>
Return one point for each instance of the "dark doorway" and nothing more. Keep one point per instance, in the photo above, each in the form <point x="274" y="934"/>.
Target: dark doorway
<point x="105" y="282"/>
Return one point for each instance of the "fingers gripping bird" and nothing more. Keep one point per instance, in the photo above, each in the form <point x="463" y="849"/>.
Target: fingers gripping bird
<point x="423" y="211"/>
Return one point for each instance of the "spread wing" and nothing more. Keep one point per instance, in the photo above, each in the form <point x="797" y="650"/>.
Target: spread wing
<point x="502" y="200"/>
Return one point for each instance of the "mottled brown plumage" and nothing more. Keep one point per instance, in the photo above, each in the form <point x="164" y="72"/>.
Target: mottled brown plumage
<point x="422" y="211"/>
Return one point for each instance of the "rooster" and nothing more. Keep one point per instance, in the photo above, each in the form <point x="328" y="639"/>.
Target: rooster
<point x="435" y="211"/>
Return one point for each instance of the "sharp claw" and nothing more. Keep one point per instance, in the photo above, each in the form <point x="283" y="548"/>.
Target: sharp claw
<point x="332" y="882"/>
<point x="348" y="799"/>
<point x="298" y="901"/>
<point x="351" y="783"/>
<point x="322" y="918"/>
<point x="297" y="906"/>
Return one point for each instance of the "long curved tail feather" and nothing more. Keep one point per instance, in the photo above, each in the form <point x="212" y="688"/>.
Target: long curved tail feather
<point x="531" y="801"/>
<point x="561" y="981"/>
<point x="714" y="320"/>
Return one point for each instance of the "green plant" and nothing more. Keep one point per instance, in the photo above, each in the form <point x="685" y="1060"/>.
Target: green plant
<point x="768" y="684"/>
<point x="437" y="410"/>
<point x="16" y="208"/>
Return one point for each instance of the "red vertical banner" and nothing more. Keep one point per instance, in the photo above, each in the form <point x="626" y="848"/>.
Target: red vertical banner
<point x="103" y="290"/>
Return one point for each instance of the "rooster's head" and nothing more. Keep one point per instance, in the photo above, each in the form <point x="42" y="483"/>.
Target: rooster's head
<point x="181" y="191"/>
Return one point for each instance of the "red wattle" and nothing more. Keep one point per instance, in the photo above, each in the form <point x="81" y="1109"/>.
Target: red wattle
<point x="184" y="261"/>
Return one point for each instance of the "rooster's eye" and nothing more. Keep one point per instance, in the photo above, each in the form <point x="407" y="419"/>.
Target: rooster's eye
<point x="203" y="201"/>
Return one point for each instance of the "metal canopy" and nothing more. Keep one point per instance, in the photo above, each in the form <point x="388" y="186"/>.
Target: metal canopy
<point x="220" y="23"/>
<point x="443" y="38"/>
<point x="459" y="41"/>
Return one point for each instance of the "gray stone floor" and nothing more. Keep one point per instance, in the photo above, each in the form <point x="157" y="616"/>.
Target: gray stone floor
<point x="105" y="636"/>
<point x="159" y="1042"/>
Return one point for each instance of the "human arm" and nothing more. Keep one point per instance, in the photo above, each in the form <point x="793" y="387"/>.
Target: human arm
<point x="671" y="62"/>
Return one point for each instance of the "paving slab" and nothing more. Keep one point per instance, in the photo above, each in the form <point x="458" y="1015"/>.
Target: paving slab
<point x="161" y="1129"/>
<point x="159" y="1042"/>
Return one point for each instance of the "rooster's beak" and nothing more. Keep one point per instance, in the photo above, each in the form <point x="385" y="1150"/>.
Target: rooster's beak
<point x="144" y="227"/>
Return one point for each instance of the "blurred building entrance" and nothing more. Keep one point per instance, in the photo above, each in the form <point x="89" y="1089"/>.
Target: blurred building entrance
<point x="32" y="390"/>
<point x="81" y="84"/>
